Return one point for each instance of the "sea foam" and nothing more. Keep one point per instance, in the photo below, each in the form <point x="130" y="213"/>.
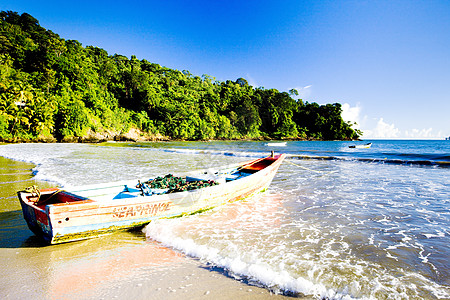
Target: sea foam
<point x="255" y="271"/>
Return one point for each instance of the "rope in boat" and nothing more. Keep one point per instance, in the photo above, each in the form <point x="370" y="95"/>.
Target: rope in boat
<point x="51" y="196"/>
<point x="34" y="191"/>
<point x="320" y="172"/>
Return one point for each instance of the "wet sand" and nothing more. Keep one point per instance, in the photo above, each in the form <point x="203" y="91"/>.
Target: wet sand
<point x="123" y="265"/>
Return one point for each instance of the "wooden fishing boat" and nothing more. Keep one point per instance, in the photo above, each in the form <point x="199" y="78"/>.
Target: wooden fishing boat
<point x="59" y="216"/>
<point x="365" y="146"/>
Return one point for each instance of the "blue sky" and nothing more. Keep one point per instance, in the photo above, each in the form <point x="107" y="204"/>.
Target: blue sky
<point x="387" y="62"/>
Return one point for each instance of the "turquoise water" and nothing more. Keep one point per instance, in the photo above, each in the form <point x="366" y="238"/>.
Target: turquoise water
<point x="336" y="222"/>
<point x="423" y="152"/>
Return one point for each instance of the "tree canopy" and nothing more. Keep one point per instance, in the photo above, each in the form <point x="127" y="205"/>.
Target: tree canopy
<point x="56" y="89"/>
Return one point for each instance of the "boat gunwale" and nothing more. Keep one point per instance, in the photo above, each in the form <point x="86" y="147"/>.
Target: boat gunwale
<point x="138" y="200"/>
<point x="145" y="199"/>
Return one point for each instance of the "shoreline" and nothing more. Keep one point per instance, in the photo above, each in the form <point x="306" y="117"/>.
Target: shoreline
<point x="124" y="265"/>
<point x="134" y="136"/>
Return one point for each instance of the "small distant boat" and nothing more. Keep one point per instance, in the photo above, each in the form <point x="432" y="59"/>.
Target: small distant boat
<point x="276" y="144"/>
<point x="59" y="216"/>
<point x="368" y="145"/>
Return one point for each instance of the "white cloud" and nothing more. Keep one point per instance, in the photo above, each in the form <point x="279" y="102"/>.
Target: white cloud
<point x="382" y="130"/>
<point x="351" y="114"/>
<point x="423" y="134"/>
<point x="389" y="131"/>
<point x="377" y="128"/>
<point x="303" y="92"/>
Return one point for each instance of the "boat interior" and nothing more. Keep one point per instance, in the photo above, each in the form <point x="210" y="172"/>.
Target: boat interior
<point x="53" y="196"/>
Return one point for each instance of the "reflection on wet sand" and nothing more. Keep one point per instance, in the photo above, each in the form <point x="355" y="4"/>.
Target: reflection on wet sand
<point x="83" y="268"/>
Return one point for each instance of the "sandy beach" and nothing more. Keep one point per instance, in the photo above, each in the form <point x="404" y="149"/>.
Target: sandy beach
<point x="123" y="265"/>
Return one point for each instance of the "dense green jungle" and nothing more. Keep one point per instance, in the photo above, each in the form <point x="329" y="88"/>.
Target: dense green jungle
<point x="53" y="89"/>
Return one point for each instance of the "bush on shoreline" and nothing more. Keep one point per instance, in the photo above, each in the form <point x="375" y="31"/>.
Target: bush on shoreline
<point x="53" y="89"/>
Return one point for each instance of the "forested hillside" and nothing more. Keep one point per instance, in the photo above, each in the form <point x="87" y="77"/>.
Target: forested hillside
<point x="53" y="89"/>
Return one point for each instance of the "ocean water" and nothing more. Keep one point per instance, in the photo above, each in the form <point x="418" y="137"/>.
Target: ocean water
<point x="336" y="222"/>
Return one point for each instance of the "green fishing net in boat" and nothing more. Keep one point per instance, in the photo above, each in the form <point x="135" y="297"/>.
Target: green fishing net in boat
<point x="176" y="184"/>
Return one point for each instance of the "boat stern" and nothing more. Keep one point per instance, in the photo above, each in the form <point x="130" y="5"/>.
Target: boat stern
<point x="37" y="218"/>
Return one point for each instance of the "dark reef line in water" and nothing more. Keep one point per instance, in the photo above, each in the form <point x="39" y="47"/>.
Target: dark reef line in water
<point x="444" y="164"/>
